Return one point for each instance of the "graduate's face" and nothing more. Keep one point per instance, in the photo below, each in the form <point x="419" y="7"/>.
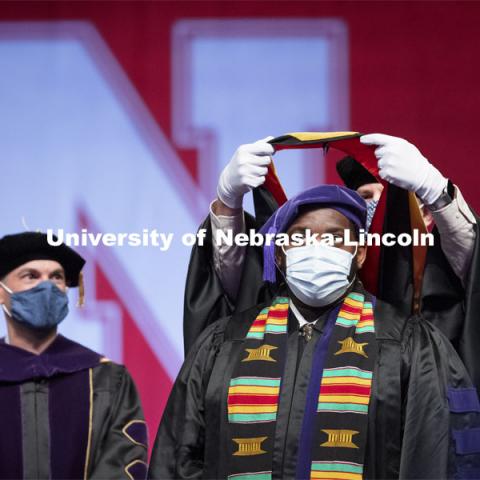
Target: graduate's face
<point x="30" y="274"/>
<point x="322" y="221"/>
<point x="370" y="191"/>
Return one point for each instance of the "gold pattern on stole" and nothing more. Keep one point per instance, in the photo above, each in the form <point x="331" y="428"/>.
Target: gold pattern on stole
<point x="340" y="438"/>
<point x="260" y="353"/>
<point x="249" y="446"/>
<point x="349" y="345"/>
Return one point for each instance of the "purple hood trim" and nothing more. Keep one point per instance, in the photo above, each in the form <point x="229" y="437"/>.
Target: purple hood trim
<point x="62" y="356"/>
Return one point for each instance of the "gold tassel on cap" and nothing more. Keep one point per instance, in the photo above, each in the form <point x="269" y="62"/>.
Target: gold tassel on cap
<point x="81" y="290"/>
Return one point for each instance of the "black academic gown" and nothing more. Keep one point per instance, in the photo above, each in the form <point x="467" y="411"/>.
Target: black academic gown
<point x="422" y="398"/>
<point x="447" y="304"/>
<point x="68" y="413"/>
<point x="205" y="298"/>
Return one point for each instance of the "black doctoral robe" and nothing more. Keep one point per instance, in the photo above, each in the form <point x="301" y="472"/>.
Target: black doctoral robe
<point x="424" y="415"/>
<point x="444" y="301"/>
<point x="68" y="413"/>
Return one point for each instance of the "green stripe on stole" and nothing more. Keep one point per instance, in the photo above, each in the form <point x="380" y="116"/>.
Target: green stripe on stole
<point x="252" y="430"/>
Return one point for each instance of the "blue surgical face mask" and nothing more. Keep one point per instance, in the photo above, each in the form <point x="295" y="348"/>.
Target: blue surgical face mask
<point x="41" y="307"/>
<point x="318" y="274"/>
<point x="371" y="207"/>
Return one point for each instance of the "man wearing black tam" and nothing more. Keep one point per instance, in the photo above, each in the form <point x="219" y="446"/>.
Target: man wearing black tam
<point x="324" y="381"/>
<point x="66" y="412"/>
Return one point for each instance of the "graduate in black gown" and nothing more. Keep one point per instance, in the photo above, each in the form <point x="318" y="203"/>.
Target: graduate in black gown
<point x="440" y="281"/>
<point x="66" y="411"/>
<point x="323" y="380"/>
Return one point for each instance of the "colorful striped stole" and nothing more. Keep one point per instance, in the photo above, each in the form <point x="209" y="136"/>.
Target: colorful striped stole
<point x="339" y="390"/>
<point x="254" y="399"/>
<point x="347" y="389"/>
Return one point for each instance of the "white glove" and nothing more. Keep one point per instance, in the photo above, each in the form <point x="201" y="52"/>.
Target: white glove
<point x="402" y="164"/>
<point x="246" y="170"/>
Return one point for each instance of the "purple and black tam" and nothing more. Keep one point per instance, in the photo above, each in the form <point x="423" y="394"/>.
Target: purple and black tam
<point x="345" y="201"/>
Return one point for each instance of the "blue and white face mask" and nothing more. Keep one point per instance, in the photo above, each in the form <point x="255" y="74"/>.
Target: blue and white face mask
<point x="41" y="307"/>
<point x="371" y="207"/>
<point x="318" y="274"/>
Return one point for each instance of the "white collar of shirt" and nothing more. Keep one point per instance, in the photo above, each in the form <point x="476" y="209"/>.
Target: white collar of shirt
<point x="300" y="318"/>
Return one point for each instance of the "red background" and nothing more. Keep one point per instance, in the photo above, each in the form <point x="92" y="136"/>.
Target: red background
<point x="414" y="66"/>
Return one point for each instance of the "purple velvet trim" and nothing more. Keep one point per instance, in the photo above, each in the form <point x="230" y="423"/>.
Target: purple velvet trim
<point x="138" y="471"/>
<point x="138" y="432"/>
<point x="346" y="201"/>
<point x="62" y="356"/>
<point x="11" y="458"/>
<point x="467" y="442"/>
<point x="269" y="271"/>
<point x="468" y="473"/>
<point x="69" y="407"/>
<point x="462" y="400"/>
<point x="304" y="460"/>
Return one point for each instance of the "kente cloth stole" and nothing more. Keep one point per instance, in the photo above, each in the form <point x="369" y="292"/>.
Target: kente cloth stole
<point x="333" y="438"/>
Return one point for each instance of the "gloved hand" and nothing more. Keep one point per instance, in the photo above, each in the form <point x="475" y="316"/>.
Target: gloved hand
<point x="246" y="170"/>
<point x="402" y="164"/>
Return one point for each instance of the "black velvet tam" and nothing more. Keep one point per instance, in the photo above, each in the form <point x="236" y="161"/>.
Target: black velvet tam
<point x="20" y="248"/>
<point x="353" y="174"/>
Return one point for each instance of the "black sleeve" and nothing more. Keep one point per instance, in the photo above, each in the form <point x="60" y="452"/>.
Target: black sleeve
<point x="179" y="445"/>
<point x="205" y="299"/>
<point x="123" y="453"/>
<point x="431" y="369"/>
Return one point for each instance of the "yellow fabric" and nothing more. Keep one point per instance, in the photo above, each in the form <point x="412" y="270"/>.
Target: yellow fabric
<point x="349" y="316"/>
<point x="339" y="475"/>
<point x="351" y="302"/>
<point x="320" y="136"/>
<point x="346" y="380"/>
<point x="276" y="321"/>
<point x="81" y="290"/>
<point x="248" y="390"/>
<point x="364" y="400"/>
<point x="252" y="409"/>
<point x="365" y="323"/>
<point x="419" y="251"/>
<point x="279" y="307"/>
<point x="90" y="422"/>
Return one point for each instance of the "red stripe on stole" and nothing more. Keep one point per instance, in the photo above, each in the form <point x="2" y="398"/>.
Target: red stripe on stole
<point x="365" y="317"/>
<point x="281" y="314"/>
<point x="344" y="389"/>
<point x="350" y="309"/>
<point x="259" y="322"/>
<point x="252" y="399"/>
